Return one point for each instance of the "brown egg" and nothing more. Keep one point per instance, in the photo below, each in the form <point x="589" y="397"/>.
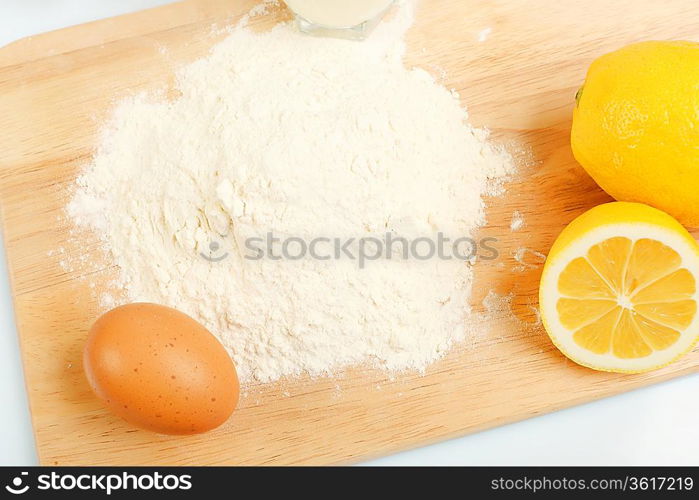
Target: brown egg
<point x="159" y="369"/>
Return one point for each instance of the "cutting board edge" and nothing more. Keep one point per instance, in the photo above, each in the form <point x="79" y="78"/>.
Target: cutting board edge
<point x="46" y="459"/>
<point x="23" y="352"/>
<point x="501" y="422"/>
<point x="34" y="47"/>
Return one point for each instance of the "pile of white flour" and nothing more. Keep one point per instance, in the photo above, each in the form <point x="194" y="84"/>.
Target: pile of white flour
<point x="305" y="137"/>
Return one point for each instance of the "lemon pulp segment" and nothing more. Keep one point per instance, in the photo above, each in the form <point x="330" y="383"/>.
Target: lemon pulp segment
<point x="630" y="298"/>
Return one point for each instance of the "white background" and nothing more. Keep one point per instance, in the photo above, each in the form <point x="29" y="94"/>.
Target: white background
<point x="652" y="426"/>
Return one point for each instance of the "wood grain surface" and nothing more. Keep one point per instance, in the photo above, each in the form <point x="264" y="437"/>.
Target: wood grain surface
<point x="520" y="82"/>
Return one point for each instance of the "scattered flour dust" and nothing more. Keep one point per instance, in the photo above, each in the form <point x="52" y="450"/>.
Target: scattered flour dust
<point x="528" y="259"/>
<point x="484" y="34"/>
<point x="262" y="8"/>
<point x="517" y="221"/>
<point x="305" y="137"/>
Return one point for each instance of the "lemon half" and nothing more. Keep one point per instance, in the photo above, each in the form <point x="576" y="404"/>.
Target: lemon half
<point x="619" y="289"/>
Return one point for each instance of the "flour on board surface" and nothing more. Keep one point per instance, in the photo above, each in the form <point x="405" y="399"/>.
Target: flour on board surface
<point x="305" y="137"/>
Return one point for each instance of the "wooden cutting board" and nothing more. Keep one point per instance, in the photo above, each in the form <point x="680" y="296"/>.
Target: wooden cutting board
<point x="520" y="82"/>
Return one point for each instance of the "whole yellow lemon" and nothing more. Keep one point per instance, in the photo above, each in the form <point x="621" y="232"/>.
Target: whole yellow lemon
<point x="636" y="126"/>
